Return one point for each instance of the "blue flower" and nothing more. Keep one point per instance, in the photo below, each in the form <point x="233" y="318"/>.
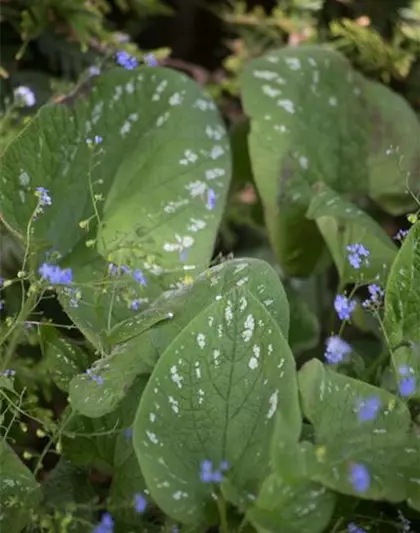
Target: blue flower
<point x="336" y="349"/>
<point x="401" y="235"/>
<point x="408" y="383"/>
<point x="96" y="140"/>
<point x="8" y="373"/>
<point x="55" y="275"/>
<point x="150" y="60"/>
<point x="352" y="528"/>
<point x="98" y="379"/>
<point x="359" y="477"/>
<point x="358" y="255"/>
<point x="135" y="304"/>
<point x="106" y="525"/>
<point x="211" y="199"/>
<point x="125" y="60"/>
<point x="368" y="409"/>
<point x="94" y="70"/>
<point x="344" y="306"/>
<point x="139" y="277"/>
<point x="208" y="475"/>
<point x="24" y="96"/>
<point x="43" y="195"/>
<point x="376" y="293"/>
<point x="140" y="503"/>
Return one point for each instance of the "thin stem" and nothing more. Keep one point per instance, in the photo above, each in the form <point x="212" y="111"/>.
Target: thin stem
<point x="15" y="330"/>
<point x="221" y="504"/>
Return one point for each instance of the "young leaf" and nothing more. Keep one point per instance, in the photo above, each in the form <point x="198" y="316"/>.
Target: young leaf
<point x="364" y="445"/>
<point x="342" y="224"/>
<point x="215" y="390"/>
<point x="402" y="304"/>
<point x="281" y="507"/>
<point x="20" y="493"/>
<point x="64" y="359"/>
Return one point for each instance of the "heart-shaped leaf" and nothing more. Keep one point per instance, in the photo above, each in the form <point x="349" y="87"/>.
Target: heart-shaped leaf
<point x="215" y="390"/>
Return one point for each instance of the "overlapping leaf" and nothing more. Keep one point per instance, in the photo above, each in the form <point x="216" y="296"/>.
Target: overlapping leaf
<point x="358" y="426"/>
<point x="342" y="223"/>
<point x="402" y="308"/>
<point x="215" y="390"/>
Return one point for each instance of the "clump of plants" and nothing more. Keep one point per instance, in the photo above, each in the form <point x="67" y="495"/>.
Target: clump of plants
<point x="192" y="394"/>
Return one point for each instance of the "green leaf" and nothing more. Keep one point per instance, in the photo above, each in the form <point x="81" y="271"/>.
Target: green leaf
<point x="402" y="304"/>
<point x="394" y="154"/>
<point x="140" y="354"/>
<point x="281" y="507"/>
<point x="342" y="223"/>
<point x="64" y="359"/>
<point x="143" y="189"/>
<point x="66" y="486"/>
<point x="307" y="124"/>
<point x="20" y="493"/>
<point x="215" y="389"/>
<point x="102" y="441"/>
<point x="382" y="444"/>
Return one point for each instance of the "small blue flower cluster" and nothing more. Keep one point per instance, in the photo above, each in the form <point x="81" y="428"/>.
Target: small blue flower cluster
<point x="97" y="379"/>
<point x="353" y="528"/>
<point x="24" y="96"/>
<point x="407" y="384"/>
<point x="359" y="477"/>
<point x="150" y="60"/>
<point x="96" y="140"/>
<point x="358" y="255"/>
<point x="125" y="60"/>
<point x="376" y="295"/>
<point x="209" y="475"/>
<point x="401" y="235"/>
<point x="137" y="274"/>
<point x="56" y="275"/>
<point x="336" y="349"/>
<point x="43" y="195"/>
<point x="106" y="525"/>
<point x="344" y="306"/>
<point x="368" y="409"/>
<point x="8" y="373"/>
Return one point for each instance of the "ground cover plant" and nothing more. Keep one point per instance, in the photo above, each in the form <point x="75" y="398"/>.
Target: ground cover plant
<point x="178" y="389"/>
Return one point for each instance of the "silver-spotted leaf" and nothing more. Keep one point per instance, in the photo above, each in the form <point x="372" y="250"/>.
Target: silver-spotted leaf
<point x="281" y="507"/>
<point x="307" y="124"/>
<point x="364" y="444"/>
<point x="215" y="390"/>
<point x="342" y="224"/>
<point x="20" y="492"/>
<point x="402" y="310"/>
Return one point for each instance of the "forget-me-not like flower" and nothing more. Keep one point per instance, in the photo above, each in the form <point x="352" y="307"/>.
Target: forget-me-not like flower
<point x="210" y="475"/>
<point x="211" y="199"/>
<point x="150" y="60"/>
<point x="106" y="525"/>
<point x="140" y="503"/>
<point x="359" y="477"/>
<point x="24" y="96"/>
<point x="344" y="306"/>
<point x="368" y="409"/>
<point x="125" y="60"/>
<point x="55" y="275"/>
<point x="376" y="294"/>
<point x="353" y="528"/>
<point x="336" y="349"/>
<point x="358" y="255"/>
<point x="43" y="195"/>
<point x="407" y="384"/>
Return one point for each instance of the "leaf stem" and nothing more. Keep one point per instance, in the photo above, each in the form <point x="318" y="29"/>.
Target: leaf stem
<point x="221" y="504"/>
